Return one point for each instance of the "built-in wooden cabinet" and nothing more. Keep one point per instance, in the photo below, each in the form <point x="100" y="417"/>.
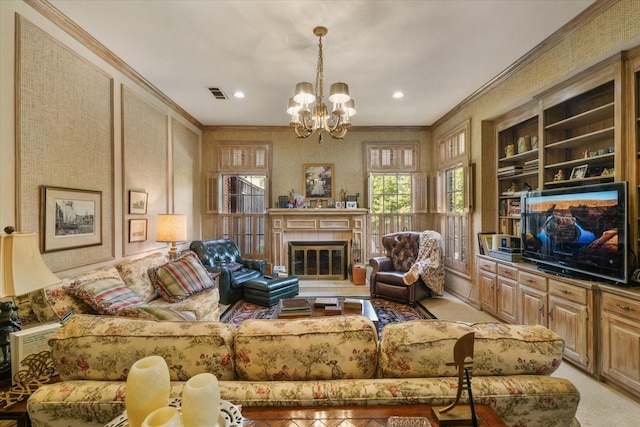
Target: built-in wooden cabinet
<point x="532" y="299"/>
<point x="579" y="138"/>
<point x="571" y="317"/>
<point x="487" y="278"/>
<point x="498" y="289"/>
<point x="620" y="332"/>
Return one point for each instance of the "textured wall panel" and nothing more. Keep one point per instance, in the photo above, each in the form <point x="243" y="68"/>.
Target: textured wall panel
<point x="187" y="192"/>
<point x="64" y="132"/>
<point x="144" y="164"/>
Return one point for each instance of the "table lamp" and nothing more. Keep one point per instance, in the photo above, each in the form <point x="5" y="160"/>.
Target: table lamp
<point x="23" y="271"/>
<point x="171" y="228"/>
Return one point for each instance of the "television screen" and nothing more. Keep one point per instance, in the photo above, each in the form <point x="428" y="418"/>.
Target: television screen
<point x="577" y="231"/>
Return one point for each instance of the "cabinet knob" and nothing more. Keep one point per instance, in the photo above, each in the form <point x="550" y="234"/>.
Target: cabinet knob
<point x="541" y="310"/>
<point x="564" y="291"/>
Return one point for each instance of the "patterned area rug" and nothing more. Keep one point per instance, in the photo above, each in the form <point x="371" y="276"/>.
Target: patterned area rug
<point x="387" y="312"/>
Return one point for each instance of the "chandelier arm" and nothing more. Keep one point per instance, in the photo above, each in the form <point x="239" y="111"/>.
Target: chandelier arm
<point x="340" y="132"/>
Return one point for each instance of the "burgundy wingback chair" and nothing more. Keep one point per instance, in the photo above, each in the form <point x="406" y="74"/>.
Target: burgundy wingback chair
<point x="386" y="278"/>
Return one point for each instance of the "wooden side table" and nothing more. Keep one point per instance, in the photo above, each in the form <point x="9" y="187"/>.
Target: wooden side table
<point x="17" y="412"/>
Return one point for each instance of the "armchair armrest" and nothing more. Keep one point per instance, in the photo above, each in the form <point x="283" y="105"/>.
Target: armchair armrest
<point x="254" y="264"/>
<point x="381" y="264"/>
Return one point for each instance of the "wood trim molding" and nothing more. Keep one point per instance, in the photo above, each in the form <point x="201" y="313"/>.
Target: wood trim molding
<point x="70" y="27"/>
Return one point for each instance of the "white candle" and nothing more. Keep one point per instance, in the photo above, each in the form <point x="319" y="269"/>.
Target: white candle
<point x="163" y="417"/>
<point x="201" y="401"/>
<point x="148" y="387"/>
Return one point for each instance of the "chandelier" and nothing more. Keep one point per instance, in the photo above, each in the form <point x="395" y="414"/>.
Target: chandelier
<point x="306" y="123"/>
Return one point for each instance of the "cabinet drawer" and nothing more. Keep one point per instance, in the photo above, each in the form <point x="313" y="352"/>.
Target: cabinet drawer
<point x="570" y="292"/>
<point x="509" y="272"/>
<point x="486" y="265"/>
<point x="533" y="281"/>
<point x="621" y="305"/>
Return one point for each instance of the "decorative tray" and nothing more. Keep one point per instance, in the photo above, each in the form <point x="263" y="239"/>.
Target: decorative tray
<point x="230" y="415"/>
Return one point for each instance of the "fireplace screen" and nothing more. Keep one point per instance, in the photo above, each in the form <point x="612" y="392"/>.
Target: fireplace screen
<point x="318" y="260"/>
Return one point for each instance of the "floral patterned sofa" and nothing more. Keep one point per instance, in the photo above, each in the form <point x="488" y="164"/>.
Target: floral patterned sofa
<point x="322" y="361"/>
<point x="150" y="287"/>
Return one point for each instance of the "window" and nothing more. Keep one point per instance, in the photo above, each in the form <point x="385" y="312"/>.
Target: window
<point x="243" y="193"/>
<point x="454" y="194"/>
<point x="390" y="196"/>
<point x="242" y="212"/>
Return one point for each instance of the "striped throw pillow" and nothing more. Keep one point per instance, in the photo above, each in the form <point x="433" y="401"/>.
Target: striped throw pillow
<point x="178" y="279"/>
<point x="107" y="296"/>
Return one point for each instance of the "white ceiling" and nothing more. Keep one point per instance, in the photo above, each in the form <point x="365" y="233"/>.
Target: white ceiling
<point x="437" y="52"/>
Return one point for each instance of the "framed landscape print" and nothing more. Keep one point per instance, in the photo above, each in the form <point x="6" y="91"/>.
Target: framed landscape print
<point x="70" y="218"/>
<point x="137" y="230"/>
<point x="138" y="202"/>
<point x="318" y="181"/>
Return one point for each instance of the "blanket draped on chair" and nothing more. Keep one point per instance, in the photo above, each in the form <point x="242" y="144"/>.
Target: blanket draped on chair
<point x="429" y="265"/>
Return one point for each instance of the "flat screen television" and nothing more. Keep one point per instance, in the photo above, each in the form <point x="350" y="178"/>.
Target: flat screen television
<point x="578" y="232"/>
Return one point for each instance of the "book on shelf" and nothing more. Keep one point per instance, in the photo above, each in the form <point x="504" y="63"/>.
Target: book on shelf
<point x="352" y="303"/>
<point x="29" y="341"/>
<point x="325" y="301"/>
<point x="294" y="304"/>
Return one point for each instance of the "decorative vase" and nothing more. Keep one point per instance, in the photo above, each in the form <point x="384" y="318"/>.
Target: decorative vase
<point x="163" y="417"/>
<point x="201" y="401"/>
<point x="148" y="387"/>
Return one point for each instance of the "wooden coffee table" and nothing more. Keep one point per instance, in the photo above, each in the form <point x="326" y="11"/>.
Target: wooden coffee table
<point x="367" y="310"/>
<point x="357" y="416"/>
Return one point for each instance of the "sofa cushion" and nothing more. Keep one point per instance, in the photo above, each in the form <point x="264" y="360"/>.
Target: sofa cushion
<point x="107" y="296"/>
<point x="53" y="303"/>
<point x="104" y="347"/>
<point x="135" y="274"/>
<point x="178" y="279"/>
<point x="422" y="348"/>
<point x="157" y="313"/>
<point x="319" y="348"/>
<point x="203" y="304"/>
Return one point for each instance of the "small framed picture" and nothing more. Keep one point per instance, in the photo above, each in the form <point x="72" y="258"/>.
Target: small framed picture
<point x="339" y="205"/>
<point x="331" y="203"/>
<point x="579" y="172"/>
<point x="352" y="205"/>
<point x="137" y="230"/>
<point x="137" y="202"/>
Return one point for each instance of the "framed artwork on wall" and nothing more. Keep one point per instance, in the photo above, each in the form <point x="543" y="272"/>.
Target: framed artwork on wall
<point x="70" y="218"/>
<point x="138" y="202"/>
<point x="318" y="181"/>
<point x="137" y="230"/>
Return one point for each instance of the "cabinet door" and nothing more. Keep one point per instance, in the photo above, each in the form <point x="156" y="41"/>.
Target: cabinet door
<point x="570" y="320"/>
<point x="487" y="284"/>
<point x="533" y="305"/>
<point x="506" y="295"/>
<point x="621" y="350"/>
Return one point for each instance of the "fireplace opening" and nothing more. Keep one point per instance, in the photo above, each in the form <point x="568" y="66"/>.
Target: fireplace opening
<point x="318" y="260"/>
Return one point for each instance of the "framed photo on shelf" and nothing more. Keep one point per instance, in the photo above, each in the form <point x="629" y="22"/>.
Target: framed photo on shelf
<point x="579" y="172"/>
<point x="352" y="205"/>
<point x="318" y="181"/>
<point x="70" y="218"/>
<point x="137" y="230"/>
<point x="138" y="202"/>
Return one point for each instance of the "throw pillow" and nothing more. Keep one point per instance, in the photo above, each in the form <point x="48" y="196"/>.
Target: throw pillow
<point x="178" y="279"/>
<point x="157" y="313"/>
<point x="107" y="296"/>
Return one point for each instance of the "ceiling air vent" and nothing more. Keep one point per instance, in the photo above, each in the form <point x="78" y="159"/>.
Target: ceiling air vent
<point x="217" y="93"/>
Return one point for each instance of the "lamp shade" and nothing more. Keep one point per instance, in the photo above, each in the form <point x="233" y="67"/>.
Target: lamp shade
<point x="23" y="269"/>
<point x="171" y="228"/>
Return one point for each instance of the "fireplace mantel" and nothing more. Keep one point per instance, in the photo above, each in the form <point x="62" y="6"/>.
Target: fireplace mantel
<point x="288" y="225"/>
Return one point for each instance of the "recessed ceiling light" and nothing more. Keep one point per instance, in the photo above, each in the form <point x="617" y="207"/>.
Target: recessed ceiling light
<point x="398" y="95"/>
<point x="238" y="94"/>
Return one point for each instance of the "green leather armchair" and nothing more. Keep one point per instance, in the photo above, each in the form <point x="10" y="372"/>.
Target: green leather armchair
<point x="222" y="256"/>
